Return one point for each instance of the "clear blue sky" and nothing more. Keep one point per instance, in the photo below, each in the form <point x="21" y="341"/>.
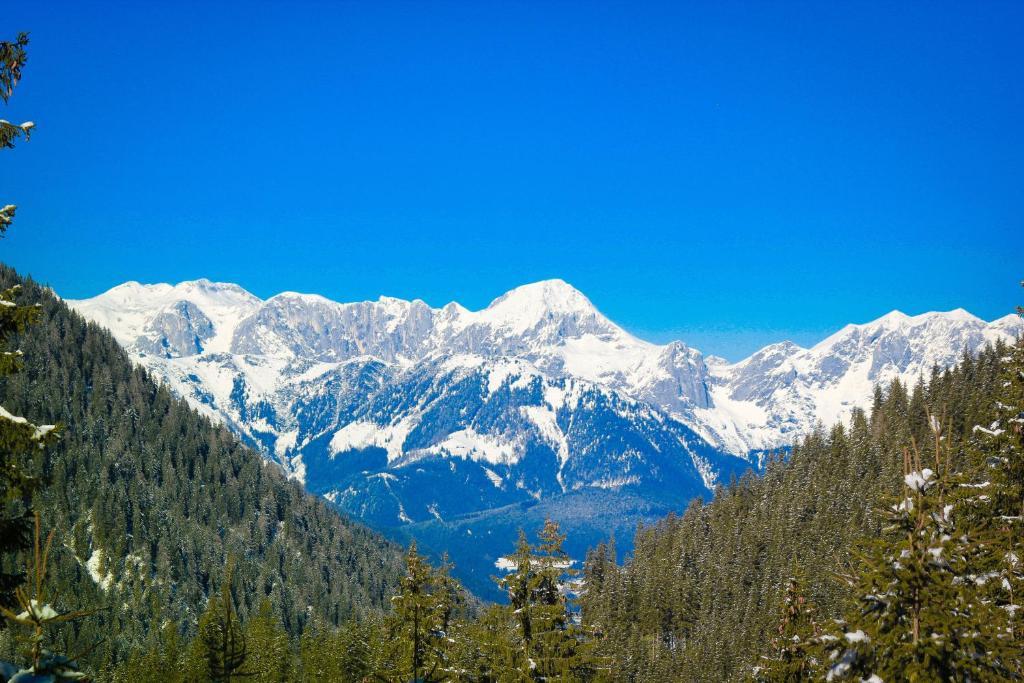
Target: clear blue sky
<point x="727" y="173"/>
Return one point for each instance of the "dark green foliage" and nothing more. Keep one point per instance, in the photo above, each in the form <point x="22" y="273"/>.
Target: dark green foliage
<point x="12" y="59"/>
<point x="158" y="497"/>
<point x="698" y="599"/>
<point x="919" y="613"/>
<point x="20" y="451"/>
<point x="420" y="609"/>
<point x="35" y="613"/>
<point x="268" y="648"/>
<point x="795" y="652"/>
<point x="19" y="439"/>
<point x="221" y="642"/>
<point x="552" y="645"/>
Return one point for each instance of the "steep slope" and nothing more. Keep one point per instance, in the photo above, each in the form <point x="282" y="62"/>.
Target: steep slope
<point x="309" y="379"/>
<point x="780" y="392"/>
<point x="701" y="598"/>
<point x="410" y="416"/>
<point x="150" y="499"/>
<point x="205" y="337"/>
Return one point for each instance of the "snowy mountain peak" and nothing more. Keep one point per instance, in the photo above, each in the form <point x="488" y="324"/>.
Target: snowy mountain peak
<point x="551" y="295"/>
<point x="538" y="303"/>
<point x="899" y="318"/>
<point x="763" y="401"/>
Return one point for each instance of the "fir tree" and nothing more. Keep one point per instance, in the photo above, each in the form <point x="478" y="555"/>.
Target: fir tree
<point x="551" y="641"/>
<point x="920" y="616"/>
<point x="420" y="609"/>
<point x="269" y="650"/>
<point x="794" y="648"/>
<point x="991" y="497"/>
<point x="162" y="661"/>
<point x="20" y="440"/>
<point x="318" y="660"/>
<point x="38" y="614"/>
<point x="20" y="444"/>
<point x="221" y="640"/>
<point x="355" y="649"/>
<point x="12" y="59"/>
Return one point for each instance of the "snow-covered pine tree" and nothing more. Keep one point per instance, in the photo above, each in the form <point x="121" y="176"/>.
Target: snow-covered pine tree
<point x="919" y="616"/>
<point x="553" y="643"/>
<point x="795" y="654"/>
<point x="991" y="497"/>
<point x="421" y="608"/>
<point x="20" y="440"/>
<point x="38" y="615"/>
<point x="517" y="584"/>
<point x="12" y="59"/>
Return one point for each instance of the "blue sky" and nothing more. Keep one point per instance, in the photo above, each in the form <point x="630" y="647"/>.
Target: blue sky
<point x="728" y="173"/>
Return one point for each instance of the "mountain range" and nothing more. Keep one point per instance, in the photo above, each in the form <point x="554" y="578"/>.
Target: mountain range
<point x="449" y="424"/>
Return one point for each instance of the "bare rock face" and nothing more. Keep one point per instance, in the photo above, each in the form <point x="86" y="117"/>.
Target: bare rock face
<point x="178" y="330"/>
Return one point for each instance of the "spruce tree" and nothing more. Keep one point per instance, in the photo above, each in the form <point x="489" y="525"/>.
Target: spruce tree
<point x="12" y="59"/>
<point x="551" y="640"/>
<point x="794" y="656"/>
<point x="38" y="614"/>
<point x="20" y="440"/>
<point x="920" y="616"/>
<point x="991" y="497"/>
<point x="220" y="637"/>
<point x="269" y="650"/>
<point x="420" y="609"/>
<point x="318" y="660"/>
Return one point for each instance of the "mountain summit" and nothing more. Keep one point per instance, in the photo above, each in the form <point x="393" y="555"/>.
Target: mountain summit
<point x="761" y="402"/>
<point x="422" y="418"/>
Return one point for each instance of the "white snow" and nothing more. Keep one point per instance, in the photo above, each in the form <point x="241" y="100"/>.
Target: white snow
<point x="468" y="443"/>
<point x="494" y="477"/>
<point x="919" y="480"/>
<point x="294" y="346"/>
<point x="93" y="564"/>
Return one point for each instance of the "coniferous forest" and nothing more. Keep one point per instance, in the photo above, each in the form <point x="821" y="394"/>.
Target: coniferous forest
<point x="870" y="549"/>
<point x="141" y="542"/>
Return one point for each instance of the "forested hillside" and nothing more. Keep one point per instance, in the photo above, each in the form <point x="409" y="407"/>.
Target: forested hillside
<point x="149" y="501"/>
<point x="702" y="597"/>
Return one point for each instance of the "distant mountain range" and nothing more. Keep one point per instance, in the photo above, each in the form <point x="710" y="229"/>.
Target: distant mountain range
<point x="444" y="422"/>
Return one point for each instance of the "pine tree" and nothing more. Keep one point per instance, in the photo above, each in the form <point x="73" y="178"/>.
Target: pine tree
<point x="518" y="585"/>
<point x="920" y="616"/>
<point x="269" y="650"/>
<point x="20" y="444"/>
<point x="318" y="659"/>
<point x="20" y="440"/>
<point x="355" y="650"/>
<point x="419" y="613"/>
<point x="552" y="642"/>
<point x="795" y="646"/>
<point x="221" y="640"/>
<point x="38" y="614"/>
<point x="12" y="59"/>
<point x="162" y="661"/>
<point x="991" y="497"/>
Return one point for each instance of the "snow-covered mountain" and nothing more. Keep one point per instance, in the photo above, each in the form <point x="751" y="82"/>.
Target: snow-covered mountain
<point x="404" y="414"/>
<point x="527" y="389"/>
<point x="213" y="340"/>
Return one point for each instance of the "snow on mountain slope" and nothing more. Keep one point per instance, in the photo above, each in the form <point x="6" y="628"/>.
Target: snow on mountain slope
<point x="179" y="320"/>
<point x="781" y="391"/>
<point x="209" y="339"/>
<point x="443" y="422"/>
